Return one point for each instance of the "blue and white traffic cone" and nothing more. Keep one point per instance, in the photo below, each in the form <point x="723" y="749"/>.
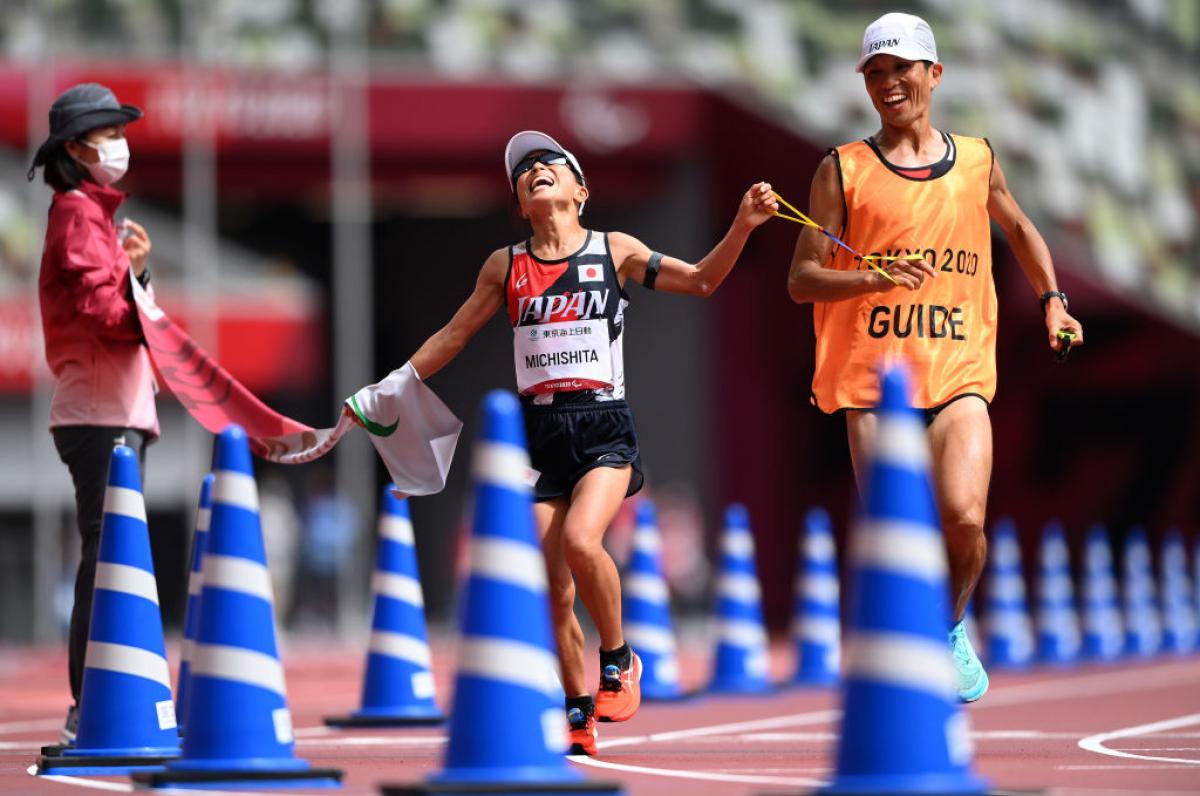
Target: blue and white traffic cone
<point x="191" y="619"/>
<point x="239" y="731"/>
<point x="816" y="618"/>
<point x="1179" y="615"/>
<point x="1103" y="629"/>
<point x="903" y="730"/>
<point x="741" y="661"/>
<point x="398" y="688"/>
<point x="1059" y="640"/>
<point x="646" y="610"/>
<point x="508" y="725"/>
<point x="1009" y="631"/>
<point x="1143" y="625"/>
<point x="126" y="714"/>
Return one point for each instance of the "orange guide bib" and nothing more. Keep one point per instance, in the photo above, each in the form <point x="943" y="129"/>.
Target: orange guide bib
<point x="946" y="330"/>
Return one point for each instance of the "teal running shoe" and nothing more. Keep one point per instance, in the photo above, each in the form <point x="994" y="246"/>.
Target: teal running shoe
<point x="972" y="679"/>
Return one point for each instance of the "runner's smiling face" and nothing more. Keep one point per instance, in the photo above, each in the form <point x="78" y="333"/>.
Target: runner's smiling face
<point x="900" y="89"/>
<point x="543" y="178"/>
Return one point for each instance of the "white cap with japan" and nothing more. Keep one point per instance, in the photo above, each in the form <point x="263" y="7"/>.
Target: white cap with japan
<point x="905" y="36"/>
<point x="526" y="141"/>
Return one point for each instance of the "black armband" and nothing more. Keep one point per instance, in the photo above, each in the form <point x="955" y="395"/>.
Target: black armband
<point x="652" y="267"/>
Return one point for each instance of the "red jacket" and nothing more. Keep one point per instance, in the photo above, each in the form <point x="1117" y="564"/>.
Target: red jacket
<point x="93" y="336"/>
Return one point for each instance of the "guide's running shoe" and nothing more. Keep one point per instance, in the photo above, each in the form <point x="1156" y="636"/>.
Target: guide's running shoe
<point x="581" y="728"/>
<point x="620" y="691"/>
<point x="972" y="679"/>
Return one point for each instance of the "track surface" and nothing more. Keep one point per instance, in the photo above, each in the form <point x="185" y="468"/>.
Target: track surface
<point x="1132" y="728"/>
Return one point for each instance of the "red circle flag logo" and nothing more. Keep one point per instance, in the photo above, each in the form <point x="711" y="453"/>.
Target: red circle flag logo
<point x="590" y="273"/>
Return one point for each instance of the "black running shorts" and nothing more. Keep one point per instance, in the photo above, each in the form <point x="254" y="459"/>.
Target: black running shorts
<point x="567" y="441"/>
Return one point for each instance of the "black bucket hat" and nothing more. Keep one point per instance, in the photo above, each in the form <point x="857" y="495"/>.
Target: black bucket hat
<point x="79" y="109"/>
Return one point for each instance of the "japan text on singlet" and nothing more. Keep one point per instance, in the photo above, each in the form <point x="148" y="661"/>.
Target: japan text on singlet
<point x="946" y="330"/>
<point x="568" y="320"/>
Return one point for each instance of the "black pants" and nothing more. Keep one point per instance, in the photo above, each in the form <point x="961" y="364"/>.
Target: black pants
<point x="86" y="451"/>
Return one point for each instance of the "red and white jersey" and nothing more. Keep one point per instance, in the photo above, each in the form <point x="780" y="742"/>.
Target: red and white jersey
<point x="568" y="320"/>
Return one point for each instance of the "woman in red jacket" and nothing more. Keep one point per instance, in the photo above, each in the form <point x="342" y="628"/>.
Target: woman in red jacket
<point x="104" y="387"/>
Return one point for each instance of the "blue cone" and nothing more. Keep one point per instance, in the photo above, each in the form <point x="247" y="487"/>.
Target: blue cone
<point x="741" y="660"/>
<point x="398" y="688"/>
<point x="508" y="726"/>
<point x="1143" y="625"/>
<point x="239" y="730"/>
<point x="126" y="714"/>
<point x="191" y="619"/>
<point x="1059" y="640"/>
<point x="1179" y="614"/>
<point x="646" y="610"/>
<point x="816" y="618"/>
<point x="1009" y="630"/>
<point x="903" y="730"/>
<point x="1103" y="631"/>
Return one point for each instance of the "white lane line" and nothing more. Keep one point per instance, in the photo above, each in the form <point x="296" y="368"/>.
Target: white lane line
<point x="976" y="735"/>
<point x="775" y="722"/>
<point x="707" y="776"/>
<point x="1125" y="767"/>
<point x="1095" y="743"/>
<point x="33" y="725"/>
<point x="375" y="740"/>
<point x="95" y="784"/>
<point x="1103" y="683"/>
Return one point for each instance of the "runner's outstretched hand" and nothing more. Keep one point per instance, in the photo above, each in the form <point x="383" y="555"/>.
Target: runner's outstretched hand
<point x="758" y="205"/>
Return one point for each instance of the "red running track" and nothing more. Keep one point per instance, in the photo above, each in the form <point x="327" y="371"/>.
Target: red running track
<point x="1132" y="728"/>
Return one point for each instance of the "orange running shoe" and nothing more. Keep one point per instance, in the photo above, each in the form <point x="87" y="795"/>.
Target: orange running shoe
<point x="620" y="692"/>
<point x="581" y="727"/>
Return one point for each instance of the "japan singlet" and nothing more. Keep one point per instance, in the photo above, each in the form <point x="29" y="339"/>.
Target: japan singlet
<point x="946" y="330"/>
<point x="568" y="320"/>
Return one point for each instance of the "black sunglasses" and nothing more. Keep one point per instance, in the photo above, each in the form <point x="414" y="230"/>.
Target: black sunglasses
<point x="545" y="158"/>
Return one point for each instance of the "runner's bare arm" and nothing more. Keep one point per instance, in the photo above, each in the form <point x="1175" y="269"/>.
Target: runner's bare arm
<point x="631" y="256"/>
<point x="809" y="279"/>
<point x="487" y="297"/>
<point x="1032" y="254"/>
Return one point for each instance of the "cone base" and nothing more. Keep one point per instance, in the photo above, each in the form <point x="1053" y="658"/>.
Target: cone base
<point x="510" y="788"/>
<point x="385" y="720"/>
<point x="926" y="785"/>
<point x="238" y="778"/>
<point x="99" y="765"/>
<point x="815" y="679"/>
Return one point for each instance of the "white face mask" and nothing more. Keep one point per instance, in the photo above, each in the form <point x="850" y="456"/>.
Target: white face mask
<point x="113" y="163"/>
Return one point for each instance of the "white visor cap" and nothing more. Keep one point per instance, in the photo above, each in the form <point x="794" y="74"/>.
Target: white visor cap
<point x="905" y="36"/>
<point x="528" y="141"/>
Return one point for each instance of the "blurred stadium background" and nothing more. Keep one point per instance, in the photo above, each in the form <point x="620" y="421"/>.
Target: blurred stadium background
<point x="322" y="180"/>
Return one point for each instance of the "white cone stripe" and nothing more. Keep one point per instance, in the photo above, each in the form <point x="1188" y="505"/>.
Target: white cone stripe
<point x="512" y="662"/>
<point x="196" y="582"/>
<point x="819" y="547"/>
<point x="502" y="465"/>
<point x="397" y="529"/>
<point x="508" y="561"/>
<point x="1056" y="589"/>
<point x="203" y="520"/>
<point x="127" y="580"/>
<point x="404" y="647"/>
<point x="1009" y="587"/>
<point x="398" y="587"/>
<point x="187" y="649"/>
<point x="125" y="502"/>
<point x="1006" y="555"/>
<point x="235" y="489"/>
<point x="240" y="665"/>
<point x="901" y="442"/>
<point x="904" y="661"/>
<point x="650" y="588"/>
<point x="900" y="547"/>
<point x="656" y="640"/>
<point x="739" y="588"/>
<point x="128" y="660"/>
<point x="1100" y="590"/>
<point x="820" y="630"/>
<point x="821" y="588"/>
<point x="237" y="574"/>
<point x="738" y="544"/>
<point x="645" y="540"/>
<point x="743" y="633"/>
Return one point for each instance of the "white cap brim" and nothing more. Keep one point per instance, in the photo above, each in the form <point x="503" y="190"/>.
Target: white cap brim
<point x="908" y="52"/>
<point x="528" y="141"/>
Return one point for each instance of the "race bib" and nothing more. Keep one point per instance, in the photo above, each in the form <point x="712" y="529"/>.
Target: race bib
<point x="562" y="356"/>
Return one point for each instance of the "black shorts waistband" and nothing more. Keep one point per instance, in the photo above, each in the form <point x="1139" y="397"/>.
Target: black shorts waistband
<point x="574" y="408"/>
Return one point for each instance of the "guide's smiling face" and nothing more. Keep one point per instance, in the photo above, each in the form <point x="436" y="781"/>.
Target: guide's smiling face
<point x="900" y="89"/>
